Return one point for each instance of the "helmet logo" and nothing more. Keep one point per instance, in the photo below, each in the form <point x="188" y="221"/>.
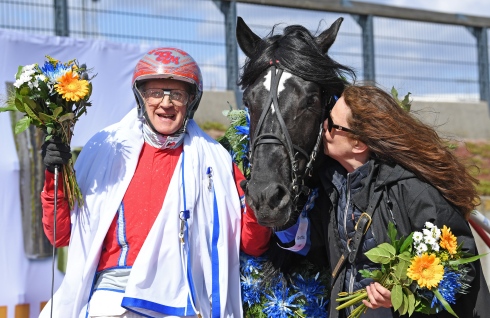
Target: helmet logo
<point x="165" y="57"/>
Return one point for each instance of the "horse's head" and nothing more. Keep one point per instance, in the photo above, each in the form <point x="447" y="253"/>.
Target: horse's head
<point x="289" y="82"/>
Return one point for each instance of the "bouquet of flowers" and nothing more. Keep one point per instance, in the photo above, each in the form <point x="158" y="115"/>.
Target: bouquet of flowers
<point x="302" y="294"/>
<point x="424" y="272"/>
<point x="52" y="98"/>
<point x="236" y="138"/>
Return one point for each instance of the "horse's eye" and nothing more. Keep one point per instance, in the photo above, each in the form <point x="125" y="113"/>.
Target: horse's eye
<point x="312" y="100"/>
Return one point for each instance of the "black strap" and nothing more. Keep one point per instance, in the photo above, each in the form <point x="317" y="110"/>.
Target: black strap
<point x="361" y="228"/>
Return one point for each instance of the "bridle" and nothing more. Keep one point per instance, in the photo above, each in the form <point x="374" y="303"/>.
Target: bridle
<point x="297" y="181"/>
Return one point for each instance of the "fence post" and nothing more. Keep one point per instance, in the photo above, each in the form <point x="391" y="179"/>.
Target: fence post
<point x="366" y="24"/>
<point x="482" y="51"/>
<point x="61" y="26"/>
<point x="228" y="8"/>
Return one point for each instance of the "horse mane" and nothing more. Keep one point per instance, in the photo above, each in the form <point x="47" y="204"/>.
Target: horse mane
<point x="296" y="51"/>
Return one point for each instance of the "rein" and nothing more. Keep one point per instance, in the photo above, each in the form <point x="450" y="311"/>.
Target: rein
<point x="297" y="181"/>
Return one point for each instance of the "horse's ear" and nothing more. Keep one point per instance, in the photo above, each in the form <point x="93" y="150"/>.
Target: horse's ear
<point x="247" y="40"/>
<point x="327" y="37"/>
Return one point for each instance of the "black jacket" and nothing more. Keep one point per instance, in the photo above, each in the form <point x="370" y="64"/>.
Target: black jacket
<point x="407" y="202"/>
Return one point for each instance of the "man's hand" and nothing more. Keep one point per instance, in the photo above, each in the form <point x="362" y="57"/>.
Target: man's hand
<point x="55" y="153"/>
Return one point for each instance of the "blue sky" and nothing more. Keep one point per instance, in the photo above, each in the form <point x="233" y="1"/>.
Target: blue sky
<point x="412" y="56"/>
<point x="470" y="7"/>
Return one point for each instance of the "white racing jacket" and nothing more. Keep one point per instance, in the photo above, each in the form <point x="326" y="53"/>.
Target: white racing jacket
<point x="168" y="277"/>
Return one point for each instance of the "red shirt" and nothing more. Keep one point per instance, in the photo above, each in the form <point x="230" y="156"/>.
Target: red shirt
<point x="142" y="202"/>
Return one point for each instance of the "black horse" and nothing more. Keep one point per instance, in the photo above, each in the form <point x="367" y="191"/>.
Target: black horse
<point x="289" y="83"/>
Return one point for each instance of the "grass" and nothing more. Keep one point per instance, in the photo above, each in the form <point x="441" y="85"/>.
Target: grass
<point x="476" y="154"/>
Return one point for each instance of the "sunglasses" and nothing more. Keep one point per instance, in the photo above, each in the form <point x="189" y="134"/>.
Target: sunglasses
<point x="331" y="125"/>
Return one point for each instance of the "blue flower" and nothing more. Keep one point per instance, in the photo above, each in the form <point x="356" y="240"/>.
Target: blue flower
<point x="250" y="264"/>
<point x="243" y="130"/>
<point x="316" y="309"/>
<point x="310" y="288"/>
<point x="53" y="73"/>
<point x="250" y="289"/>
<point x="280" y="305"/>
<point x="448" y="287"/>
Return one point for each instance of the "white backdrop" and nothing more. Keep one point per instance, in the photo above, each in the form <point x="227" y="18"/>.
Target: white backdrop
<point x="29" y="281"/>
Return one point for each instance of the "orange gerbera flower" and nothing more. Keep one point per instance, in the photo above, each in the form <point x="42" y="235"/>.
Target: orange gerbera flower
<point x="426" y="270"/>
<point x="448" y="240"/>
<point x="70" y="87"/>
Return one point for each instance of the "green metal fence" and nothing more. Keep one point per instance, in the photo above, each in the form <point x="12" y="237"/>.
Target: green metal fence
<point x="432" y="61"/>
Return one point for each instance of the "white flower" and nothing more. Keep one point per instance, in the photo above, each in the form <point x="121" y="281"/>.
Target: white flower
<point x="18" y="83"/>
<point x="429" y="225"/>
<point x="29" y="67"/>
<point x="417" y="236"/>
<point x="435" y="247"/>
<point x="33" y="84"/>
<point x="427" y="233"/>
<point x="429" y="240"/>
<point x="436" y="233"/>
<point x="22" y="79"/>
<point x="42" y="78"/>
<point x="421" y="248"/>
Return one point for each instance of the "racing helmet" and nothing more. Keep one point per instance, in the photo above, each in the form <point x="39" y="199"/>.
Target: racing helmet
<point x="168" y="63"/>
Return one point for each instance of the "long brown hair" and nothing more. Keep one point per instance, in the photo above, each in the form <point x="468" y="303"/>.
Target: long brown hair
<point x="394" y="135"/>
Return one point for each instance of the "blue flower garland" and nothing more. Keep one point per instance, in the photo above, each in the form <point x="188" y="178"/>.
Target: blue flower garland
<point x="306" y="293"/>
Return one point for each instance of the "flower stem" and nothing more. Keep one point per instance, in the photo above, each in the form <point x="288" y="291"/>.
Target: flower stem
<point x="361" y="296"/>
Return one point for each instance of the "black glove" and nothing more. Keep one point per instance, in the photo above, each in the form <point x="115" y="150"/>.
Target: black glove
<point x="55" y="153"/>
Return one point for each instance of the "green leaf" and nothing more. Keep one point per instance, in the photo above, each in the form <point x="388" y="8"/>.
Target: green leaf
<point x="382" y="254"/>
<point x="410" y="299"/>
<point x="65" y="117"/>
<point x="466" y="260"/>
<point x="57" y="111"/>
<point x="400" y="269"/>
<point x="404" y="306"/>
<point x="396" y="296"/>
<point x="22" y="125"/>
<point x="44" y="92"/>
<point x="46" y="118"/>
<point x="394" y="93"/>
<point x="19" y="105"/>
<point x="405" y="256"/>
<point x="365" y="273"/>
<point x="31" y="114"/>
<point x="19" y="71"/>
<point x="24" y="91"/>
<point x="8" y="108"/>
<point x="32" y="104"/>
<point x="444" y="302"/>
<point x="407" y="243"/>
<point x="406" y="104"/>
<point x="392" y="232"/>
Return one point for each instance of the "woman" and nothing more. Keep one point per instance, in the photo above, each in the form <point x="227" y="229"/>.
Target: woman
<point x="390" y="164"/>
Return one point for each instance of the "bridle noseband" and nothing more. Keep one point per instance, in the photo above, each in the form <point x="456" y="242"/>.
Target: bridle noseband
<point x="297" y="181"/>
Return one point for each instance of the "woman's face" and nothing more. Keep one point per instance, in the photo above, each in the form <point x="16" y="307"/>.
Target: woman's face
<point x="336" y="143"/>
<point x="165" y="115"/>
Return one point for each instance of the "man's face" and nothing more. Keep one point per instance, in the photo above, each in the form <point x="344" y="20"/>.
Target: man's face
<point x="166" y="113"/>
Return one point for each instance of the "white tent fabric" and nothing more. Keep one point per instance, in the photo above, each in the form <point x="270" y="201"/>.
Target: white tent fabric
<point x="29" y="281"/>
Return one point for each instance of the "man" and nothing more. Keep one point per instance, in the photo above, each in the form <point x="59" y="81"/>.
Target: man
<point x="159" y="231"/>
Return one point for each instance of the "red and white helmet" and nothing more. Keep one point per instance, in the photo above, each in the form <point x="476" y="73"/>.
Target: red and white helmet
<point x="171" y="63"/>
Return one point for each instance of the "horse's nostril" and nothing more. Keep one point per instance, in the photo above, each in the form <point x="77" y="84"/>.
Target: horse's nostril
<point x="277" y="196"/>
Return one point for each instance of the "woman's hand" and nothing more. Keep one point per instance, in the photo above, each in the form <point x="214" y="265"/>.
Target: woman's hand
<point x="378" y="296"/>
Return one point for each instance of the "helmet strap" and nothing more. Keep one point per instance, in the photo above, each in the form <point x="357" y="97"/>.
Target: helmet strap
<point x="158" y="140"/>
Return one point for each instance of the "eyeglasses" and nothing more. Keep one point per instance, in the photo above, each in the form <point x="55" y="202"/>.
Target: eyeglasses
<point x="154" y="96"/>
<point x="331" y="125"/>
